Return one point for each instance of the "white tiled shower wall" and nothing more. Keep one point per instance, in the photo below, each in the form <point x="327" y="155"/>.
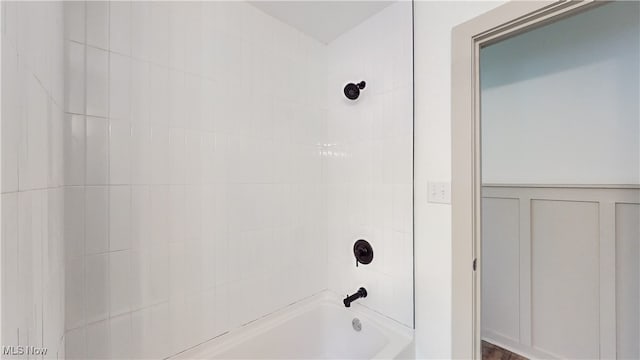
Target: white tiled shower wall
<point x="213" y="171"/>
<point x="369" y="167"/>
<point x="32" y="176"/>
<point x="194" y="177"/>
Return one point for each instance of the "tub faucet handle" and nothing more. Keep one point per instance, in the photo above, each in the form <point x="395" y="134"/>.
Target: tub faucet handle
<point x="363" y="252"/>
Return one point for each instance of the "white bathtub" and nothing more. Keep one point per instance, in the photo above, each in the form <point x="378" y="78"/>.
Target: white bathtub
<point x="316" y="328"/>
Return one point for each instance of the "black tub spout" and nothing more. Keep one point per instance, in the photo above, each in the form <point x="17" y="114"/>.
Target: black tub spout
<point x="361" y="293"/>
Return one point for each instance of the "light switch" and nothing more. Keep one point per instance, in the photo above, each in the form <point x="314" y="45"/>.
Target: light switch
<point x="439" y="192"/>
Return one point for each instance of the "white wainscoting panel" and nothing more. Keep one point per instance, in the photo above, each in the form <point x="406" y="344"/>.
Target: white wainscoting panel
<point x="500" y="272"/>
<point x="560" y="273"/>
<point x="564" y="273"/>
<point x="628" y="280"/>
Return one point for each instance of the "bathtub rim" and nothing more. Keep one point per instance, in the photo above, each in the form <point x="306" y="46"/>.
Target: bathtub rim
<point x="399" y="335"/>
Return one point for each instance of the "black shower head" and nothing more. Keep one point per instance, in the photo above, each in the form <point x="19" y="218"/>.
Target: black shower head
<point x="352" y="91"/>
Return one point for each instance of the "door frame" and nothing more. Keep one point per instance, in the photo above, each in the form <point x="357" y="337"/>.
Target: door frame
<point x="468" y="38"/>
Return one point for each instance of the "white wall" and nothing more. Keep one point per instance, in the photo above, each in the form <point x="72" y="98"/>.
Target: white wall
<point x="556" y="116"/>
<point x="32" y="176"/>
<point x="194" y="181"/>
<point x="433" y="23"/>
<point x="369" y="156"/>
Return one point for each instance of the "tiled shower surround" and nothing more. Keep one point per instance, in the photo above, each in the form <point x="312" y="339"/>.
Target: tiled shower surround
<point x="369" y="179"/>
<point x="195" y="191"/>
<point x="33" y="278"/>
<point x="214" y="172"/>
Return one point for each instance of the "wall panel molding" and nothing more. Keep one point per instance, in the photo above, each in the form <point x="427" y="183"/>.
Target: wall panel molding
<point x="554" y="220"/>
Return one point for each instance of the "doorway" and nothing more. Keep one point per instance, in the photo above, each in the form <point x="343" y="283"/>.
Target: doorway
<point x="546" y="181"/>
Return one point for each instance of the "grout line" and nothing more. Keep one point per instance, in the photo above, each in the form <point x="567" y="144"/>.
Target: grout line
<point x="84" y="178"/>
<point x="413" y="156"/>
<point x="108" y="180"/>
<point x="129" y="158"/>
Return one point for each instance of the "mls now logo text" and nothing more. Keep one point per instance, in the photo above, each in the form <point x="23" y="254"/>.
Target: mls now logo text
<point x="23" y="350"/>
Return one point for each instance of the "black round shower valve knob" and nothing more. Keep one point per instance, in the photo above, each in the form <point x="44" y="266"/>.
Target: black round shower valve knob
<point x="363" y="252"/>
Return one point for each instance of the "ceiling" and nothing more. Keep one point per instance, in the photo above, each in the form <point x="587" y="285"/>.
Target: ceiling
<point x="322" y="20"/>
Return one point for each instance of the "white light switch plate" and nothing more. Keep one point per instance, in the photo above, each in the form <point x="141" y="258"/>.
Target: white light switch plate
<point x="439" y="192"/>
